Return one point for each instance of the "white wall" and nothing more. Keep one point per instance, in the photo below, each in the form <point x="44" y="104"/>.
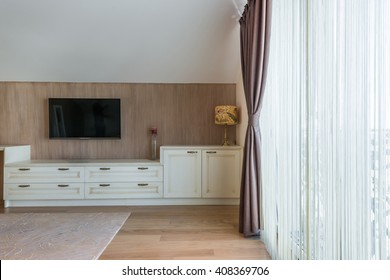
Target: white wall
<point x="191" y="41"/>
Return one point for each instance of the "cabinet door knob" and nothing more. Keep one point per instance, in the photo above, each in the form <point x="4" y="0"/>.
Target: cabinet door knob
<point x="143" y="185"/>
<point x="63" y="186"/>
<point x="211" y="152"/>
<point x="105" y="168"/>
<point x="24" y="186"/>
<point x="63" y="169"/>
<point x="192" y="152"/>
<point x="104" y="185"/>
<point x="24" y="169"/>
<point x="143" y="168"/>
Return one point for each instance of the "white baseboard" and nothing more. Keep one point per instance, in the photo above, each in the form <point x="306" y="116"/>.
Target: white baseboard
<point x="122" y="202"/>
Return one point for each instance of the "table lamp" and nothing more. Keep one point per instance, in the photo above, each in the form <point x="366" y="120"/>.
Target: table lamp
<point x="226" y="115"/>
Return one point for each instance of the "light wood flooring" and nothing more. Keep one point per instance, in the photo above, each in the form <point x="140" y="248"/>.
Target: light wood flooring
<point x="174" y="232"/>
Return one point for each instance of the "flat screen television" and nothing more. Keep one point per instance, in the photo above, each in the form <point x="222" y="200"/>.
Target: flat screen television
<point x="84" y="118"/>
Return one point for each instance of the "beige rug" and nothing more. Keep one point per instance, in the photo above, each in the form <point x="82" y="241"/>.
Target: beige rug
<point x="57" y="236"/>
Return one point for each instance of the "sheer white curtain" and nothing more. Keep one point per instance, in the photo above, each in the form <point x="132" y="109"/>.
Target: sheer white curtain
<point x="326" y="131"/>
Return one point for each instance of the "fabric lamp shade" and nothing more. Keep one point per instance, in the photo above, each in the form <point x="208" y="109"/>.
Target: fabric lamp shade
<point x="226" y="115"/>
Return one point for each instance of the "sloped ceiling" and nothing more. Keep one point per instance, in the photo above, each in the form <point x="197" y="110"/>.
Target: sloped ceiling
<point x="146" y="41"/>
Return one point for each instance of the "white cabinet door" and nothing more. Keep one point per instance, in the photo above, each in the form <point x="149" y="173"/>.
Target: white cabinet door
<point x="182" y="173"/>
<point x="221" y="173"/>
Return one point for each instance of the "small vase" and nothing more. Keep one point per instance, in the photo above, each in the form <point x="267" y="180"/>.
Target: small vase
<point x="154" y="143"/>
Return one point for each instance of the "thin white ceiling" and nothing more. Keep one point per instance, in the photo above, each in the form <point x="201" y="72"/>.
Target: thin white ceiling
<point x="153" y="41"/>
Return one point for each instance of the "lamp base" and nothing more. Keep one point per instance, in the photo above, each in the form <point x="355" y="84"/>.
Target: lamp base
<point x="225" y="140"/>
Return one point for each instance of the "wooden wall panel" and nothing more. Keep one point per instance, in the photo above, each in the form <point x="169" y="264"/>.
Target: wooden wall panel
<point x="183" y="114"/>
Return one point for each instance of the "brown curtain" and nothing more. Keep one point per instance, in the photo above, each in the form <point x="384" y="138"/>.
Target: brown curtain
<point x="255" y="27"/>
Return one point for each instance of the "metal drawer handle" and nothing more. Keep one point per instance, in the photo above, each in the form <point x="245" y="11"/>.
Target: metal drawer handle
<point x="63" y="186"/>
<point x="143" y="168"/>
<point x="24" y="186"/>
<point x="24" y="169"/>
<point x="143" y="185"/>
<point x="211" y="152"/>
<point x="104" y="185"/>
<point x="63" y="169"/>
<point x="105" y="168"/>
<point x="192" y="152"/>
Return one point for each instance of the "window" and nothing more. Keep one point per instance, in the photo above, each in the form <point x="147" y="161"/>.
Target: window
<point x="326" y="131"/>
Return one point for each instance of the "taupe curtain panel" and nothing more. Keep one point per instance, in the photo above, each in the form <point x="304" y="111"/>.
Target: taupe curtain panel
<point x="255" y="27"/>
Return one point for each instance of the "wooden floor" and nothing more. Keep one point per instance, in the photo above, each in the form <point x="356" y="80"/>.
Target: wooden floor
<point x="174" y="232"/>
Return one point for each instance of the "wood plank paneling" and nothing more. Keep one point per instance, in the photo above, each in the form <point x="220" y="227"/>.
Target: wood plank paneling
<point x="183" y="114"/>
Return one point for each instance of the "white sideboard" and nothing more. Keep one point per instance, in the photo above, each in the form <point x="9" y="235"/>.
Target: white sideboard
<point x="81" y="182"/>
<point x="202" y="171"/>
<point x="201" y="175"/>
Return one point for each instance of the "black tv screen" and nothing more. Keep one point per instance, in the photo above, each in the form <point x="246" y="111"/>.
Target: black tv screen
<point x="84" y="118"/>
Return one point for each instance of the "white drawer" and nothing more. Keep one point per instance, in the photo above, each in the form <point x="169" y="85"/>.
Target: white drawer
<point x="43" y="191"/>
<point x="124" y="174"/>
<point x="43" y="174"/>
<point x="123" y="190"/>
